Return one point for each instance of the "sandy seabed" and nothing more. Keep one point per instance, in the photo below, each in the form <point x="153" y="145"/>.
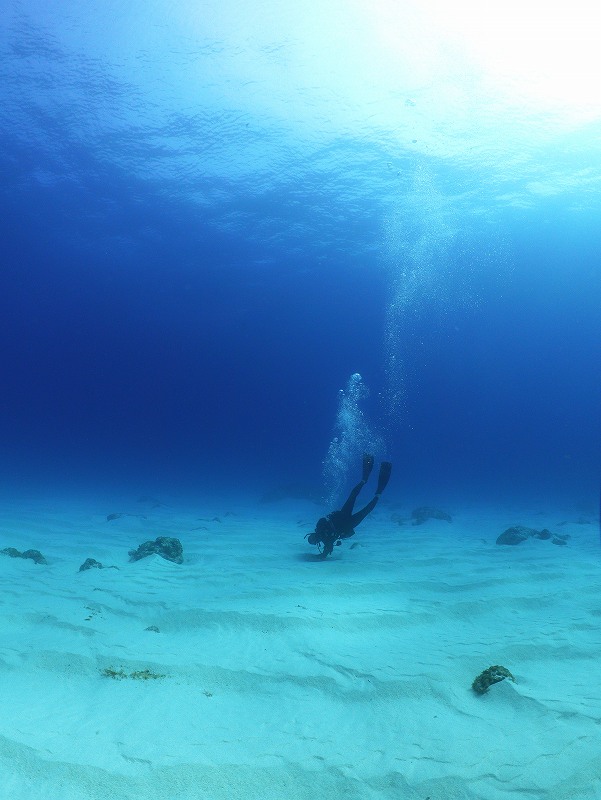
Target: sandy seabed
<point x="254" y="671"/>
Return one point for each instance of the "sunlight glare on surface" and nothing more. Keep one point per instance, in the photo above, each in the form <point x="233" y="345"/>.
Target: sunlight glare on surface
<point x="341" y="61"/>
<point x="546" y="55"/>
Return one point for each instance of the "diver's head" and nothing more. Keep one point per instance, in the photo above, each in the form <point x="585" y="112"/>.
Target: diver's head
<point x="323" y="527"/>
<point x="322" y="532"/>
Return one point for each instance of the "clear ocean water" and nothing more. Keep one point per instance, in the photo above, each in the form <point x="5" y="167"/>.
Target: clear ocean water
<point x="214" y="214"/>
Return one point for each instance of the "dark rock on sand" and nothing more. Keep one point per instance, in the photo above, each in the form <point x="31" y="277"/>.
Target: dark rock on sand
<point x="112" y="517"/>
<point x="485" y="680"/>
<point x="11" y="551"/>
<point x="165" y="546"/>
<point x="34" y="555"/>
<point x="519" y="533"/>
<point x="424" y="513"/>
<point x="516" y="535"/>
<point x="90" y="563"/>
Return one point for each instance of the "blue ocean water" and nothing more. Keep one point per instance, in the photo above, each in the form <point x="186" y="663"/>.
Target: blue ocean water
<point x="213" y="215"/>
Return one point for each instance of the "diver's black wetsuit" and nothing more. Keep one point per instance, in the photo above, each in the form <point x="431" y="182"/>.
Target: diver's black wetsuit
<point x="341" y="524"/>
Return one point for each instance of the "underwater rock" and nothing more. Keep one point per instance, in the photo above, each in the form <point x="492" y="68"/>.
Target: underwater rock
<point x="90" y="563"/>
<point x="519" y="533"/>
<point x="164" y="546"/>
<point x="111" y="517"/>
<point x="152" y="628"/>
<point x="34" y="555"/>
<point x="138" y="675"/>
<point x="11" y="551"/>
<point x="424" y="513"/>
<point x="515" y="535"/>
<point x="485" y="679"/>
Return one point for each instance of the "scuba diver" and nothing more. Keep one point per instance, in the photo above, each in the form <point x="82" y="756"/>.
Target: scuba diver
<point x="339" y="525"/>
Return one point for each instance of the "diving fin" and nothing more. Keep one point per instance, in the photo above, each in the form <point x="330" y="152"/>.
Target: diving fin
<point x="384" y="476"/>
<point x="368" y="463"/>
